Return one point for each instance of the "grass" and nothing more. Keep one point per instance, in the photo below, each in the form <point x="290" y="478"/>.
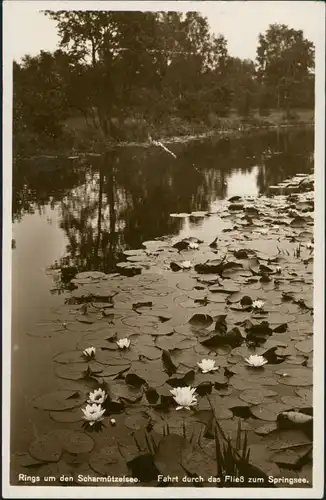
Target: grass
<point x="231" y="459"/>
<point x="81" y="135"/>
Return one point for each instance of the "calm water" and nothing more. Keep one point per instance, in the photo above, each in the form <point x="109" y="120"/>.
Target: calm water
<point x="77" y="215"/>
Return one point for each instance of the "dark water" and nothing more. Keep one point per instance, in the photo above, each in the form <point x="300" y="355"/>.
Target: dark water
<point x="76" y="215"/>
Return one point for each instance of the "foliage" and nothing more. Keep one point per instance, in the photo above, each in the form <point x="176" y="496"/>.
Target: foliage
<point x="152" y="68"/>
<point x="285" y="62"/>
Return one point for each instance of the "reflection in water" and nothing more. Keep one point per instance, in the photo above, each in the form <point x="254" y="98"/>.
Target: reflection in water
<point x="82" y="214"/>
<point x="243" y="183"/>
<point x="108" y="204"/>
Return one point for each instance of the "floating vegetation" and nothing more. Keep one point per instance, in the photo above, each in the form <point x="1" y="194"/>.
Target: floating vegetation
<point x="228" y="344"/>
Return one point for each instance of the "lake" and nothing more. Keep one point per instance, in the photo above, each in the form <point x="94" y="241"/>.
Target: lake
<point x="73" y="215"/>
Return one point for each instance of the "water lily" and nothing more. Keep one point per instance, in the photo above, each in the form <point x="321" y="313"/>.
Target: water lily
<point x="193" y="245"/>
<point x="207" y="365"/>
<point x="184" y="397"/>
<point x="278" y="269"/>
<point x="186" y="264"/>
<point x="256" y="361"/>
<point x="123" y="343"/>
<point x="89" y="352"/>
<point x="310" y="245"/>
<point x="113" y="421"/>
<point x="98" y="397"/>
<point x="93" y="413"/>
<point x="258" y="304"/>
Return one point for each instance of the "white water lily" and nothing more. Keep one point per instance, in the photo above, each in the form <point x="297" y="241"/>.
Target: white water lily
<point x="186" y="264"/>
<point x="278" y="269"/>
<point x="256" y="361"/>
<point x="310" y="245"/>
<point x="123" y="343"/>
<point x="193" y="245"/>
<point x="113" y="421"/>
<point x="297" y="417"/>
<point x="184" y="397"/>
<point x="98" y="397"/>
<point x="93" y="413"/>
<point x="89" y="352"/>
<point x="207" y="365"/>
<point x="258" y="304"/>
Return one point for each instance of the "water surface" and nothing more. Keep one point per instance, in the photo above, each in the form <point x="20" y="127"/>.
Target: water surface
<point x="81" y="214"/>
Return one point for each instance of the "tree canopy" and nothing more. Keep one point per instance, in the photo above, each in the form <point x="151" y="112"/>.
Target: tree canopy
<point x="153" y="67"/>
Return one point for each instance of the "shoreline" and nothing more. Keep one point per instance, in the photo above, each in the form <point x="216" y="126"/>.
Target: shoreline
<point x="237" y="130"/>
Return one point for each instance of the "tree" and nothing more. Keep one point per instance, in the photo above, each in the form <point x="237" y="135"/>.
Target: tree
<point x="285" y="62"/>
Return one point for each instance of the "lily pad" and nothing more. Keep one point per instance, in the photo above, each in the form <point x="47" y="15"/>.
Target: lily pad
<point x="255" y="397"/>
<point x="76" y="442"/>
<point x="169" y="454"/>
<point x="290" y="457"/>
<point x="305" y="346"/>
<point x="58" y="400"/>
<point x="266" y="429"/>
<point x="216" y="377"/>
<point x="108" y="461"/>
<point x="46" y="448"/>
<point x="268" y="411"/>
<point x="77" y="371"/>
<point x="70" y="357"/>
<point x="141" y="320"/>
<point x="152" y="373"/>
<point x="298" y="377"/>
<point x="134" y="422"/>
<point x="120" y="390"/>
<point x="67" y="416"/>
<point x="200" y="321"/>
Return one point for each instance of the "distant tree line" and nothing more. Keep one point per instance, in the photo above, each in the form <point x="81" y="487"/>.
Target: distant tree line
<point x="151" y="66"/>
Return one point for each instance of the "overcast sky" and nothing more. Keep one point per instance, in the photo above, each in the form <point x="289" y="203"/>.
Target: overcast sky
<point x="29" y="31"/>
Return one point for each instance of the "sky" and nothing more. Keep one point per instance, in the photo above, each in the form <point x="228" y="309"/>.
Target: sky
<point x="239" y="21"/>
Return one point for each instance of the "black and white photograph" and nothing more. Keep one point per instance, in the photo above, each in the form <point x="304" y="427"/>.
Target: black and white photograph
<point x="163" y="274"/>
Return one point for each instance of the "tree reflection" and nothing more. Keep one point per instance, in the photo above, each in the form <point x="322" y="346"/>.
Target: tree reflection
<point x="115" y="202"/>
